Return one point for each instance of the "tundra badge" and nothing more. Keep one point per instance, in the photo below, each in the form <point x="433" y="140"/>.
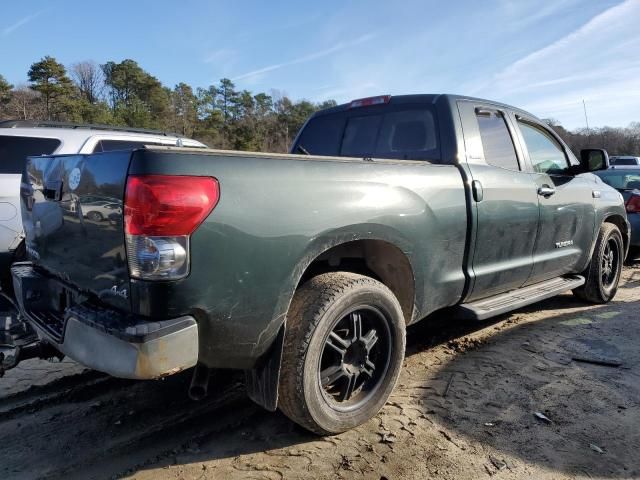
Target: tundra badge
<point x="566" y="243"/>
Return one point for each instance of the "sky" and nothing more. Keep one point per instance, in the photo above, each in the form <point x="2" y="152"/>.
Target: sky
<point x="545" y="56"/>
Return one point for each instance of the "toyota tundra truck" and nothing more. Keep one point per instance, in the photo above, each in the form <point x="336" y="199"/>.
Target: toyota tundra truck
<point x="305" y="269"/>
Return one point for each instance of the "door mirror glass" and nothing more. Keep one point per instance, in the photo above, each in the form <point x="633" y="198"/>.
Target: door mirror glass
<point x="594" y="159"/>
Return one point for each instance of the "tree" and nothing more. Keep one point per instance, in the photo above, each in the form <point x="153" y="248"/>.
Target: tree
<point x="5" y="91"/>
<point x="137" y="98"/>
<point x="89" y="79"/>
<point x="49" y="78"/>
<point x="185" y="109"/>
<point x="25" y="104"/>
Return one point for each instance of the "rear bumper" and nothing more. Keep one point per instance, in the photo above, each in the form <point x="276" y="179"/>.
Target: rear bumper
<point x="103" y="339"/>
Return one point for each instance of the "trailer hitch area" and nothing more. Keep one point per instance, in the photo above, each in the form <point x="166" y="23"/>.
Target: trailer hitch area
<point x="12" y="355"/>
<point x="18" y="341"/>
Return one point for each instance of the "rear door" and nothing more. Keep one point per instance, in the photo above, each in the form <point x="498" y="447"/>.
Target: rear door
<point x="86" y="250"/>
<point x="566" y="201"/>
<point x="504" y="199"/>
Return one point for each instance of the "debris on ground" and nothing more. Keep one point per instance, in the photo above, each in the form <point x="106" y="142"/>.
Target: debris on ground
<point x="542" y="416"/>
<point x="597" y="361"/>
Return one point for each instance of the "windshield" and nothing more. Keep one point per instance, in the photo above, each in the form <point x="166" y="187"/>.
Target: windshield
<point x="404" y="132"/>
<point x="620" y="179"/>
<point x="15" y="150"/>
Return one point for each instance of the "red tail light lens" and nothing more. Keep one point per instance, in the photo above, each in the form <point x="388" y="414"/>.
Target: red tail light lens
<point x="166" y="205"/>
<point x="633" y="204"/>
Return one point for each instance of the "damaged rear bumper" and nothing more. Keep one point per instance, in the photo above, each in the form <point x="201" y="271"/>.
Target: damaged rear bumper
<point x="100" y="338"/>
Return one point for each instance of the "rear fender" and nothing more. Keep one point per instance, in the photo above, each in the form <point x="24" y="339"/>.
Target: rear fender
<point x="262" y="381"/>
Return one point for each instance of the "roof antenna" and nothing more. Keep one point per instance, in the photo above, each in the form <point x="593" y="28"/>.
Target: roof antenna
<point x="586" y="119"/>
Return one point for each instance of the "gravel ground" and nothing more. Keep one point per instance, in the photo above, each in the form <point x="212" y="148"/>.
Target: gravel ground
<point x="507" y="399"/>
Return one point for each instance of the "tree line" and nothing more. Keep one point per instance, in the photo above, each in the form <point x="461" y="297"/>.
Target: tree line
<point x="124" y="94"/>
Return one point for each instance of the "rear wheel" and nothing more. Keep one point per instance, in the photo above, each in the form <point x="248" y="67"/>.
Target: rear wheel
<point x="343" y="351"/>
<point x="603" y="273"/>
<point x="95" y="216"/>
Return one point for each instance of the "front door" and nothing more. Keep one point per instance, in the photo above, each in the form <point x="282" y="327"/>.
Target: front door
<point x="505" y="202"/>
<point x="567" y="212"/>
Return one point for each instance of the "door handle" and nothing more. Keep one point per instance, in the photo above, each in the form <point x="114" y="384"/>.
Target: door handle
<point x="546" y="191"/>
<point x="478" y="193"/>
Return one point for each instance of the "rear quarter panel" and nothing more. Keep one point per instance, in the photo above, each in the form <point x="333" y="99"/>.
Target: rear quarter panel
<point x="276" y="215"/>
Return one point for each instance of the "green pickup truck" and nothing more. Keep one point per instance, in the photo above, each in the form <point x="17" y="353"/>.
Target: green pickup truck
<point x="305" y="269"/>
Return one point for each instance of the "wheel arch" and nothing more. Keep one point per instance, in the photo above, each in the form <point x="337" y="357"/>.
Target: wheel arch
<point x="622" y="223"/>
<point x="383" y="258"/>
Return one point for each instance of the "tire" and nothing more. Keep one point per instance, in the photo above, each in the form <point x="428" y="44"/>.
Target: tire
<point x="360" y="365"/>
<point x="603" y="273"/>
<point x="95" y="216"/>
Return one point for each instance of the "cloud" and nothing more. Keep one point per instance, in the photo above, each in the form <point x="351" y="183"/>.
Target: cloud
<point x="219" y="55"/>
<point x="307" y="58"/>
<point x="597" y="62"/>
<point x="20" y="23"/>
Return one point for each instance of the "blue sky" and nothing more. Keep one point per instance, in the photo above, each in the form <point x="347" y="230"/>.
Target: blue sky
<point x="542" y="55"/>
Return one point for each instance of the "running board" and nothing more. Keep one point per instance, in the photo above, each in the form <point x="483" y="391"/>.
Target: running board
<point x="506" y="302"/>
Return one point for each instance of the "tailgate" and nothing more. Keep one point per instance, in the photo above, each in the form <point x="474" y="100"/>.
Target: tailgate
<point x="72" y="208"/>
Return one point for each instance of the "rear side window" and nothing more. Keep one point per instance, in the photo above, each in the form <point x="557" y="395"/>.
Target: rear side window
<point x="497" y="143"/>
<point x="110" y="145"/>
<point x="383" y="132"/>
<point x="15" y="150"/>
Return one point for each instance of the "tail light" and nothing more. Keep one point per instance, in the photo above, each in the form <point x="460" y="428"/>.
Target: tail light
<point x="160" y="214"/>
<point x="633" y="204"/>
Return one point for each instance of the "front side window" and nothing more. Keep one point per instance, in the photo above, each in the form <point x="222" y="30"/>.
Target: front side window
<point x="546" y="154"/>
<point x="496" y="141"/>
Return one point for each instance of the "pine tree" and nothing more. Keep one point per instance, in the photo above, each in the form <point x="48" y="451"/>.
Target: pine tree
<point x="49" y="78"/>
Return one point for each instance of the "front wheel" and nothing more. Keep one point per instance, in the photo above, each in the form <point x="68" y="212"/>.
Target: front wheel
<point x="603" y="273"/>
<point x="343" y="351"/>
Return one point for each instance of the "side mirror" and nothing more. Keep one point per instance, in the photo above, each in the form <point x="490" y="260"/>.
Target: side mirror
<point x="594" y="159"/>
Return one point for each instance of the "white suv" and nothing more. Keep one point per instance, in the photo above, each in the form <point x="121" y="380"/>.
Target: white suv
<point x="23" y="138"/>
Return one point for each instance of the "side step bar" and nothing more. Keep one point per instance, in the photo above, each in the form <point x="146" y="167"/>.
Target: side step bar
<point x="506" y="302"/>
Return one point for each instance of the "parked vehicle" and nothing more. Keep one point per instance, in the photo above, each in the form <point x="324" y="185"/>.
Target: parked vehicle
<point x="624" y="161"/>
<point x="627" y="182"/>
<point x="20" y="138"/>
<point x="304" y="270"/>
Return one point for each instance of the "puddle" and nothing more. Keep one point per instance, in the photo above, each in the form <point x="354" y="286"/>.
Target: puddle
<point x="574" y="322"/>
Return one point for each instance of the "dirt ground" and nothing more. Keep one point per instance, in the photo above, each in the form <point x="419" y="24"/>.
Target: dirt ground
<point x="465" y="408"/>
